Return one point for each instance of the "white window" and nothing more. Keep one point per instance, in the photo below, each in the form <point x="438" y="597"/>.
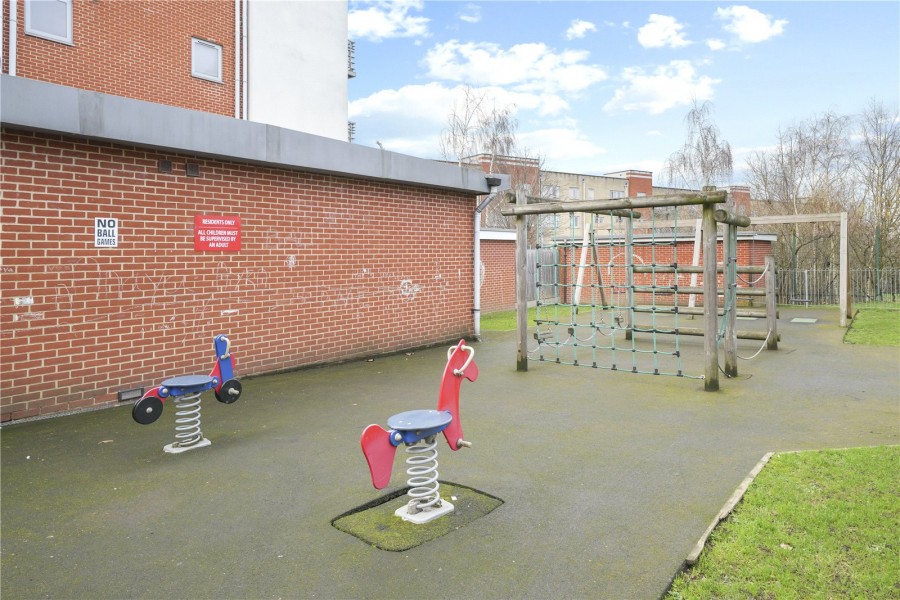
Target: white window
<point x="206" y="60"/>
<point x="590" y="194"/>
<point x="573" y="193"/>
<point x="49" y="19"/>
<point x="616" y="194"/>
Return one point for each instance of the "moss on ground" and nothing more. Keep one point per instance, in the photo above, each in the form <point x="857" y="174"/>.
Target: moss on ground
<point x="377" y="525"/>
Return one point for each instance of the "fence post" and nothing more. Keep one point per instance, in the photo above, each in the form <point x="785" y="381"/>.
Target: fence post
<point x="521" y="285"/>
<point x="771" y="316"/>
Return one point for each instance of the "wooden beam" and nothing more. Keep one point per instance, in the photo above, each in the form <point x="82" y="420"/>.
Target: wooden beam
<point x="723" y="216"/>
<point x="572" y="206"/>
<point x="742" y="334"/>
<point x="741" y="291"/>
<point x="779" y="219"/>
<point x="693" y="269"/>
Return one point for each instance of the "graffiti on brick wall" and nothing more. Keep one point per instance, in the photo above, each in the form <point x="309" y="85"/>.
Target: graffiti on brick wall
<point x="84" y="291"/>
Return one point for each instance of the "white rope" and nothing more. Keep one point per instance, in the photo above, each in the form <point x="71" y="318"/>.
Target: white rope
<point x="765" y="341"/>
<point x="757" y="280"/>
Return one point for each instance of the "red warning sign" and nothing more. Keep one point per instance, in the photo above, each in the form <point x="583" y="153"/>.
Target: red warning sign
<point x="217" y="233"/>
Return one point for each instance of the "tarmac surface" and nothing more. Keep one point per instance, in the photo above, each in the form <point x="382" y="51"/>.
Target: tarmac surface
<point x="608" y="479"/>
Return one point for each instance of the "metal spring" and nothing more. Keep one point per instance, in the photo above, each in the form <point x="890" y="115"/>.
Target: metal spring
<point x="187" y="420"/>
<point x="423" y="476"/>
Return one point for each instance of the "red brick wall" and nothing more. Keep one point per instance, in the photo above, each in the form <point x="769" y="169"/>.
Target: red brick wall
<point x="498" y="288"/>
<point x="330" y="268"/>
<point x="134" y="48"/>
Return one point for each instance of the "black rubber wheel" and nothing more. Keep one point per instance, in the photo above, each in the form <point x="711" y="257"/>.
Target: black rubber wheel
<point x="229" y="392"/>
<point x="147" y="410"/>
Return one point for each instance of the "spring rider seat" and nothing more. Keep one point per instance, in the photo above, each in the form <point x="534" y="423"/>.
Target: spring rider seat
<point x="417" y="429"/>
<point x="185" y="392"/>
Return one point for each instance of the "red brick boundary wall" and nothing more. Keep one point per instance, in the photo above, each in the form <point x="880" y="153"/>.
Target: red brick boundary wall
<point x="498" y="288"/>
<point x="330" y="268"/>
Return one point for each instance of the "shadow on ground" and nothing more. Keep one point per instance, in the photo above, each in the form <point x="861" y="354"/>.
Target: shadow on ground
<point x="608" y="479"/>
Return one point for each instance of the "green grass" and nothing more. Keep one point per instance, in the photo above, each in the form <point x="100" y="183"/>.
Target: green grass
<point x="812" y="525"/>
<point x="875" y="327"/>
<point x="504" y="320"/>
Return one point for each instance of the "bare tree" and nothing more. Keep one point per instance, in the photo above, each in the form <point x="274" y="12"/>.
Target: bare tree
<point x="705" y="159"/>
<point x="461" y="137"/>
<point x="478" y="132"/>
<point x="878" y="171"/>
<point x="807" y="171"/>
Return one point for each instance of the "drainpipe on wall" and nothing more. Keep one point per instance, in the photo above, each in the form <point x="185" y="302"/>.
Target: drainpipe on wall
<point x="246" y="69"/>
<point x="496" y="185"/>
<point x="237" y="59"/>
<point x="13" y="31"/>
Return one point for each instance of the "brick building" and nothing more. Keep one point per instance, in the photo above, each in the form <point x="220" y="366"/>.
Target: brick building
<point x="115" y="157"/>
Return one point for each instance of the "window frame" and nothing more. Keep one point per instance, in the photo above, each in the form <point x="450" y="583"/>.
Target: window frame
<point x="69" y="40"/>
<point x="197" y="41"/>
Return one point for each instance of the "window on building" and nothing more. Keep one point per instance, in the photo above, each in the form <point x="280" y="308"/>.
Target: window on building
<point x="590" y="194"/>
<point x="573" y="193"/>
<point x="206" y="60"/>
<point x="49" y="19"/>
<point x="616" y="194"/>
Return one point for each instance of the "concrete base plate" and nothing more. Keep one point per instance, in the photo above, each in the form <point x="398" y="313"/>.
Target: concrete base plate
<point x="425" y="515"/>
<point x="174" y="448"/>
<point x="803" y="320"/>
<point x="375" y="523"/>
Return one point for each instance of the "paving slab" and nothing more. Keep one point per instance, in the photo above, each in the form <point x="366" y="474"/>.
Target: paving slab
<point x="608" y="479"/>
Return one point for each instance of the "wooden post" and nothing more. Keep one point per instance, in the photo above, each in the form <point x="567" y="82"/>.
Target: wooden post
<point x="710" y="297"/>
<point x="845" y="274"/>
<point x="629" y="279"/>
<point x="771" y="316"/>
<point x="730" y="256"/>
<point x="521" y="285"/>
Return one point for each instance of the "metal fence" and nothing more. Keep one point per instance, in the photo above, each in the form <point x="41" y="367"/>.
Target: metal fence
<point x="548" y="258"/>
<point x="821" y="286"/>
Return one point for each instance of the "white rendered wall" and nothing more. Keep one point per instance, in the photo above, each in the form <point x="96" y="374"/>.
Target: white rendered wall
<point x="297" y="57"/>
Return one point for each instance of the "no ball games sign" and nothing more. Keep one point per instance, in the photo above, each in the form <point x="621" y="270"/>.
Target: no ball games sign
<point x="106" y="232"/>
<point x="217" y="233"/>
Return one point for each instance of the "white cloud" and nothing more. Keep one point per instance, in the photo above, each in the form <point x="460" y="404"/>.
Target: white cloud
<point x="470" y="14"/>
<point x="565" y="148"/>
<point x="715" y="44"/>
<point x="579" y="28"/>
<point x="660" y="31"/>
<point x="750" y="25"/>
<point x="386" y="19"/>
<point x="533" y="67"/>
<point x="668" y="86"/>
<point x="429" y="102"/>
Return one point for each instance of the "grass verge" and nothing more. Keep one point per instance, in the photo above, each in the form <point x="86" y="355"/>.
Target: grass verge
<point x="875" y="327"/>
<point x="812" y="525"/>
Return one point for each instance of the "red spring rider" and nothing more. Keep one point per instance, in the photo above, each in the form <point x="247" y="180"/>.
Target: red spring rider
<point x="185" y="392"/>
<point x="417" y="429"/>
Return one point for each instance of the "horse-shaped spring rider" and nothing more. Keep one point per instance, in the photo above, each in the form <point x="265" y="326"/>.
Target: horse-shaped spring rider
<point x="417" y="429"/>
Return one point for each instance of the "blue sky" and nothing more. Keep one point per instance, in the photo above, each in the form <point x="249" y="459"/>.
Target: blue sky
<point x="604" y="86"/>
